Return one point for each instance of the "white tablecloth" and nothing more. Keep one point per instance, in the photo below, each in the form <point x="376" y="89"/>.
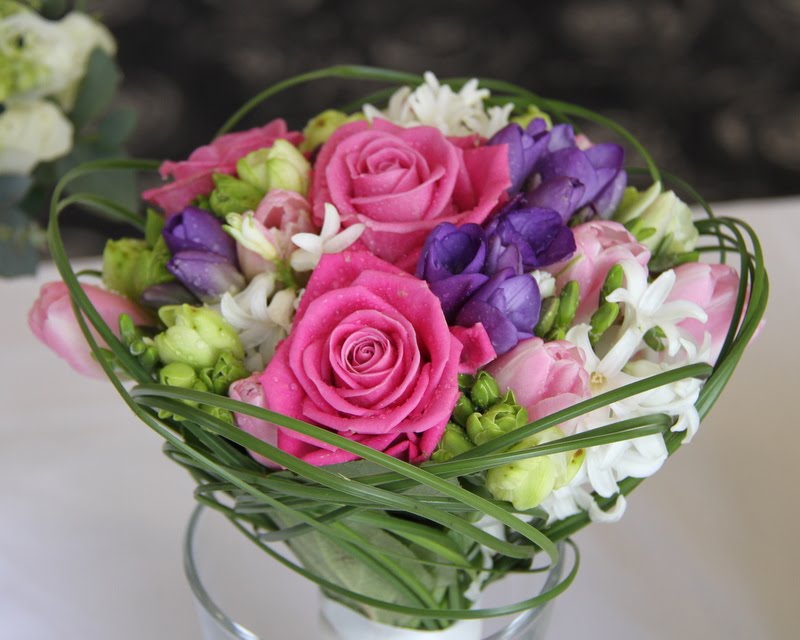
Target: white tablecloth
<point x="92" y="514"/>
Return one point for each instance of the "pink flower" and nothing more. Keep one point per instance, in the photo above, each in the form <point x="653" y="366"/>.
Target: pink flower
<point x="370" y="357"/>
<point x="52" y="320"/>
<point x="600" y="244"/>
<point x="714" y="288"/>
<point x="545" y="376"/>
<point x="401" y="183"/>
<point x="249" y="390"/>
<point x="193" y="177"/>
<point x="279" y="216"/>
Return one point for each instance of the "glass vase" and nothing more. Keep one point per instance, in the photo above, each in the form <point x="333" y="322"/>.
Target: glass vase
<point x="242" y="593"/>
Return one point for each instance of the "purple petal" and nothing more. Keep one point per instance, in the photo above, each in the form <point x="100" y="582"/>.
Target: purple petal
<point x="207" y="275"/>
<point x="500" y="329"/>
<point x="562" y="194"/>
<point x="198" y="230"/>
<point x="608" y="199"/>
<point x="455" y="290"/>
<point x="451" y="250"/>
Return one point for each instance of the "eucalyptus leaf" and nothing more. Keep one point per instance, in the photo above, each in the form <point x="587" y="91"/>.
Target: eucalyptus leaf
<point x="115" y="128"/>
<point x="97" y="88"/>
<point x="13" y="189"/>
<point x="19" y="242"/>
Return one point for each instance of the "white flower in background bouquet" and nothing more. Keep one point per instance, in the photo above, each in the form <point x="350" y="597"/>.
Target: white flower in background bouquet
<point x="57" y="78"/>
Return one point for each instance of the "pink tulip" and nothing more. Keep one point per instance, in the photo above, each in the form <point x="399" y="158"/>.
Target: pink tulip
<point x="53" y="321"/>
<point x="600" y="244"/>
<point x="713" y="287"/>
<point x="545" y="376"/>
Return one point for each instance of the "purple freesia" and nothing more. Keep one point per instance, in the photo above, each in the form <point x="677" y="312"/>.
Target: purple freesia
<point x="556" y="173"/>
<point x="198" y="230"/>
<point x="524" y="149"/>
<point x="451" y="262"/>
<point x="204" y="258"/>
<point x="507" y="306"/>
<point x="207" y="275"/>
<point x="450" y="250"/>
<point x="526" y="238"/>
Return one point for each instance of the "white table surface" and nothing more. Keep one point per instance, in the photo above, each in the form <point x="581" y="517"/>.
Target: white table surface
<point x="92" y="514"/>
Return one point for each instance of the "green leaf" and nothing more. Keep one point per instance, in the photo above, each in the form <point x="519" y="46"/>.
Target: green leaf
<point x="97" y="89"/>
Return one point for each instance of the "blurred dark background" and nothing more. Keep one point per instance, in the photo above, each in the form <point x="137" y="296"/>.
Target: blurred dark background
<point x="711" y="87"/>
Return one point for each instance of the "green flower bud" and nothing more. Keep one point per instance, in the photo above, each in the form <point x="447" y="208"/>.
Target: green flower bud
<point x="482" y="429"/>
<point x="454" y="441"/>
<point x="602" y="320"/>
<point x="525" y="483"/>
<point x="531" y="114"/>
<point x="465" y="381"/>
<point x="196" y="336"/>
<point x="322" y="126"/>
<point x="178" y="374"/>
<point x="232" y="195"/>
<point x="463" y="410"/>
<point x="660" y="221"/>
<point x="653" y="338"/>
<point x="130" y="266"/>
<point x="485" y="391"/>
<point x="613" y="281"/>
<point x="547" y="317"/>
<point x="280" y="166"/>
<point x="226" y="370"/>
<point x="568" y="304"/>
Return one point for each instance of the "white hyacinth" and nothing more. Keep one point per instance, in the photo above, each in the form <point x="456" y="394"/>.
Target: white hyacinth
<point x="311" y="246"/>
<point x="30" y="133"/>
<point x="261" y="316"/>
<point x="437" y="105"/>
<point x="644" y="307"/>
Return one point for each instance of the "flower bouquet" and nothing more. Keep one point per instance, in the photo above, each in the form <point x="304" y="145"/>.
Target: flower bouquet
<point x="421" y="342"/>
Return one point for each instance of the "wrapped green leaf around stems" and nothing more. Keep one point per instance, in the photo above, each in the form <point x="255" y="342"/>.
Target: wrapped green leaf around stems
<point x="214" y="450"/>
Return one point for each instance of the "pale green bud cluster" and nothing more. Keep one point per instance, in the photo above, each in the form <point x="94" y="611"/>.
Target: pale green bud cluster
<point x="232" y="195"/>
<point x="322" y="126"/>
<point x="525" y="483"/>
<point x="139" y="345"/>
<point x="180" y="374"/>
<point x="131" y="265"/>
<point x="481" y="414"/>
<point x="659" y="220"/>
<point x="280" y="166"/>
<point x="607" y="312"/>
<point x="196" y="336"/>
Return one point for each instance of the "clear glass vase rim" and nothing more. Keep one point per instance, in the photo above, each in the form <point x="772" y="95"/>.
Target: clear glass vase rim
<point x="240" y="632"/>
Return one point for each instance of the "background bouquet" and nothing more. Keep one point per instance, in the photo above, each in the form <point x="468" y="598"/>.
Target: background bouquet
<point x="58" y="78"/>
<point x="419" y="343"/>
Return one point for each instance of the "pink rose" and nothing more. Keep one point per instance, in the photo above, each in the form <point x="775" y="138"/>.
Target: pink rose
<point x="403" y="182"/>
<point x="193" y="177"/>
<point x="714" y="288"/>
<point x="600" y="245"/>
<point x="370" y="357"/>
<point x="53" y="321"/>
<point x="545" y="376"/>
<point x="279" y="216"/>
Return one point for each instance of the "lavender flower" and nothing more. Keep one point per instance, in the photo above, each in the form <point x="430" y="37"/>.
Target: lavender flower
<point x="556" y="173"/>
<point x="527" y="238"/>
<point x="207" y="275"/>
<point x="198" y="230"/>
<point x="451" y="262"/>
<point x="204" y="257"/>
<point x="507" y="306"/>
<point x="524" y="149"/>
